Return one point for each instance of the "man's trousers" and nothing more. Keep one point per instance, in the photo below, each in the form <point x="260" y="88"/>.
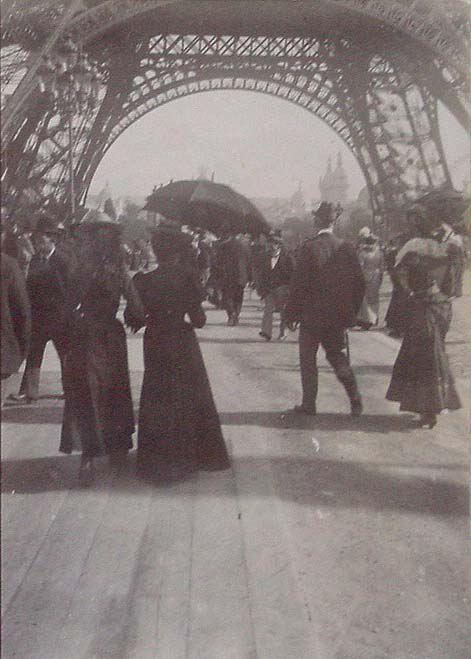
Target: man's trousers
<point x="332" y="339"/>
<point x="232" y="298"/>
<point x="40" y="336"/>
<point x="274" y="301"/>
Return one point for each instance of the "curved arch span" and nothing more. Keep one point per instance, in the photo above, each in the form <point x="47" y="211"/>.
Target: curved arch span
<point x="256" y="84"/>
<point x="430" y="27"/>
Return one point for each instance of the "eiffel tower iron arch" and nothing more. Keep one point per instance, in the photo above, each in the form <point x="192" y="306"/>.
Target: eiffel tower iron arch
<point x="380" y="99"/>
<point x="386" y="155"/>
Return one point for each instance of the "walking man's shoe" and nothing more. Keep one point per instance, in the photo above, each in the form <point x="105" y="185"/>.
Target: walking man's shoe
<point x="301" y="409"/>
<point x="356" y="407"/>
<point x="265" y="336"/>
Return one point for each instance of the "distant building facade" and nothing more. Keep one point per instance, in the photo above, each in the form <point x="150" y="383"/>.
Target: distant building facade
<point x="334" y="185"/>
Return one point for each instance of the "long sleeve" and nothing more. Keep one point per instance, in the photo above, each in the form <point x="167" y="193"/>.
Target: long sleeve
<point x="20" y="309"/>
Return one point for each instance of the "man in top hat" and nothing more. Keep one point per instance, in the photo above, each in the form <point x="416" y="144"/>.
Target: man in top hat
<point x="48" y="288"/>
<point x="325" y="295"/>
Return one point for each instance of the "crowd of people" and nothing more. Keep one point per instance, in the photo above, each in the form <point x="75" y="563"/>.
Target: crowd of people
<point x="66" y="286"/>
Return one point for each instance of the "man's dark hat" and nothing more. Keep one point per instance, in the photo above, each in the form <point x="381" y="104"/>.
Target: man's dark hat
<point x="324" y="212"/>
<point x="48" y="225"/>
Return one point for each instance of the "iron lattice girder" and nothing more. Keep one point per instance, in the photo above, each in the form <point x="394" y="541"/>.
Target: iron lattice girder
<point x="173" y="66"/>
<point x="386" y="157"/>
<point x="426" y="21"/>
<point x="332" y="78"/>
<point x="442" y="29"/>
<point x="303" y="53"/>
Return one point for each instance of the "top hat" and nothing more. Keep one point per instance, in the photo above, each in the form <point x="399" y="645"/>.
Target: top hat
<point x="324" y="214"/>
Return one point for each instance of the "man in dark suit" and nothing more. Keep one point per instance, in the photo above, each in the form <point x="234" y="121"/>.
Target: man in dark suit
<point x="233" y="265"/>
<point x="274" y="280"/>
<point x="48" y="289"/>
<point x="16" y="319"/>
<point x="325" y="295"/>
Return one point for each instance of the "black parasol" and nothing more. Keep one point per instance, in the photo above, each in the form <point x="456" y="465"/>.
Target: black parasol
<point x="209" y="205"/>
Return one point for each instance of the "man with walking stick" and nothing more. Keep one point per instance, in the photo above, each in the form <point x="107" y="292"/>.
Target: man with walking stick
<point x="326" y="292"/>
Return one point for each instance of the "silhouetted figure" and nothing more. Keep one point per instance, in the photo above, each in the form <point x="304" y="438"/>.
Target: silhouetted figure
<point x="98" y="413"/>
<point x="178" y="423"/>
<point x="426" y="269"/>
<point x="325" y="296"/>
<point x="48" y="280"/>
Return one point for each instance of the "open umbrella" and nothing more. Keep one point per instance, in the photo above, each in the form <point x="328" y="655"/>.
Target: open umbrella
<point x="208" y="205"/>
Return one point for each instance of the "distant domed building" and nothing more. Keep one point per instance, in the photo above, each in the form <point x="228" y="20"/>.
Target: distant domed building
<point x="297" y="202"/>
<point x="334" y="184"/>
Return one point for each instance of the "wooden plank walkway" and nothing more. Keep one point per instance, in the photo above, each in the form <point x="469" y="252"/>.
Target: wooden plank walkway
<point x="328" y="538"/>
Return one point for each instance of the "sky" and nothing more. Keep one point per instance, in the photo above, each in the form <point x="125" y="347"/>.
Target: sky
<point x="262" y="146"/>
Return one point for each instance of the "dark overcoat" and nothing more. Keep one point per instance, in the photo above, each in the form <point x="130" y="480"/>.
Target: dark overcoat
<point x="49" y="290"/>
<point x="16" y="316"/>
<point x="280" y="275"/>
<point x="328" y="286"/>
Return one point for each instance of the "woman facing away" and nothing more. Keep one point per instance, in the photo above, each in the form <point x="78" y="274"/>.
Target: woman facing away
<point x="371" y="261"/>
<point x="425" y="267"/>
<point x="98" y="412"/>
<point x="179" y="426"/>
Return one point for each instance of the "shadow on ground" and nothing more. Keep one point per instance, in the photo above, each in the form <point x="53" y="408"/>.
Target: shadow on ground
<point x="367" y="423"/>
<point x="371" y="423"/>
<point x="308" y="481"/>
<point x="363" y="369"/>
<point x="232" y="340"/>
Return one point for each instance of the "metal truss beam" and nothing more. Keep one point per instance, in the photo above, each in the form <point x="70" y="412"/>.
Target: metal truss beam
<point x="382" y="105"/>
<point x="387" y="121"/>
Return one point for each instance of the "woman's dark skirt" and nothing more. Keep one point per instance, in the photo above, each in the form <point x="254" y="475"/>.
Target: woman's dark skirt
<point x="398" y="313"/>
<point x="422" y="381"/>
<point x="98" y="412"/>
<point x="178" y="421"/>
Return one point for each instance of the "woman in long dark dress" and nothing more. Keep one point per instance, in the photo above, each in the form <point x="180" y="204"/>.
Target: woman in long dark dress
<point x="422" y="381"/>
<point x="178" y="422"/>
<point x="98" y="412"/>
